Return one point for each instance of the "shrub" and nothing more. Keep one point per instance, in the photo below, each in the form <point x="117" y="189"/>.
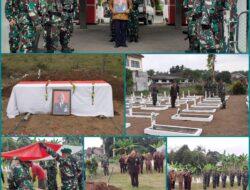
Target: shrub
<point x="238" y="88"/>
<point x="91" y="165"/>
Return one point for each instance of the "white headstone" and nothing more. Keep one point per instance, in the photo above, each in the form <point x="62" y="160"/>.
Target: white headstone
<point x="183" y="95"/>
<point x="188" y="93"/>
<point x="153" y="119"/>
<point x="187" y="107"/>
<point x="165" y="94"/>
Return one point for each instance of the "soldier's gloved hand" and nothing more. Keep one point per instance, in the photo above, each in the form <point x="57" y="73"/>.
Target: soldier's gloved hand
<point x="39" y="28"/>
<point x="42" y="145"/>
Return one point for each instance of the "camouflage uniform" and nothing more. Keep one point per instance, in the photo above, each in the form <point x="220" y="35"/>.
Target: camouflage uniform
<point x="51" y="174"/>
<point x="239" y="175"/>
<point x="214" y="177"/>
<point x="193" y="10"/>
<point x="19" y="177"/>
<point x="217" y="179"/>
<point x="205" y="178"/>
<point x="68" y="170"/>
<point x="154" y="92"/>
<point x="133" y="22"/>
<point x="245" y="180"/>
<point x="52" y="23"/>
<point x="208" y="178"/>
<point x="27" y="21"/>
<point x="206" y="37"/>
<point x="79" y="166"/>
<point x="222" y="94"/>
<point x="69" y="11"/>
<point x="224" y="179"/>
<point x="231" y="177"/>
<point x="11" y="13"/>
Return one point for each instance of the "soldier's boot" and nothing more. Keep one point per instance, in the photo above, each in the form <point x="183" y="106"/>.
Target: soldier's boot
<point x="66" y="49"/>
<point x="50" y="49"/>
<point x="136" y="39"/>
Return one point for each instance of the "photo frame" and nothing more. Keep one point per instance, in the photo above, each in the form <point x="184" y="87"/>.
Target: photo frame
<point x="61" y="102"/>
<point x="120" y="6"/>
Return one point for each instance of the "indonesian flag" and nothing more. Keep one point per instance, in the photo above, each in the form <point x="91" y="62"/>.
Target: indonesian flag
<point x="31" y="152"/>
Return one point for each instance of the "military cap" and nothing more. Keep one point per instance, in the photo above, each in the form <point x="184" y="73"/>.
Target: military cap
<point x="66" y="150"/>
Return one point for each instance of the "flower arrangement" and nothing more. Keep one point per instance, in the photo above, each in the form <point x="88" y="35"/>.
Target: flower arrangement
<point x="93" y="92"/>
<point x="46" y="90"/>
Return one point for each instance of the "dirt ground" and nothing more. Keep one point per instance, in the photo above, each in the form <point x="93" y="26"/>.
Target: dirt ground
<point x="232" y="121"/>
<point x="99" y="186"/>
<point x="48" y="125"/>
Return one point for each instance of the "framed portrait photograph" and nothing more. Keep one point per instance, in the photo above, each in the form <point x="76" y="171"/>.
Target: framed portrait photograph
<point x="61" y="102"/>
<point x="120" y="6"/>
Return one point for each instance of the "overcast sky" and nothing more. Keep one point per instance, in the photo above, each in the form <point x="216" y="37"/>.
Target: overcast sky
<point x="230" y="144"/>
<point x="92" y="142"/>
<point x="163" y="62"/>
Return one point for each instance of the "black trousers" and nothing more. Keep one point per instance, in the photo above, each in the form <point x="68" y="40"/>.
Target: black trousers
<point x="173" y="184"/>
<point x="134" y="179"/>
<point x="120" y="32"/>
<point x="173" y="99"/>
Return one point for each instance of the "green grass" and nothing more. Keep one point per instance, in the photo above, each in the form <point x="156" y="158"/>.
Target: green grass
<point x="18" y="65"/>
<point x="146" y="181"/>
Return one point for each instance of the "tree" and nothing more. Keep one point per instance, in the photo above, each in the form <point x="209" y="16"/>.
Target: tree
<point x="129" y="81"/>
<point x="23" y="141"/>
<point x="225" y="76"/>
<point x="151" y="72"/>
<point x="77" y="141"/>
<point x="211" y="65"/>
<point x="8" y="144"/>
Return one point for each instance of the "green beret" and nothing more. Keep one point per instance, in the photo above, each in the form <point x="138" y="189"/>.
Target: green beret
<point x="66" y="150"/>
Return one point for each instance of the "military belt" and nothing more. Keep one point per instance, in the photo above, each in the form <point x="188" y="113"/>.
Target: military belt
<point x="206" y="27"/>
<point x="68" y="11"/>
<point x="55" y="13"/>
<point x="197" y="16"/>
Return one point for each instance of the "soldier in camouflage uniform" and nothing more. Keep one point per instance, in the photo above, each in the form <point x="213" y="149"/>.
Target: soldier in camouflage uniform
<point x="231" y="178"/>
<point x="245" y="178"/>
<point x="69" y="8"/>
<point x="24" y="16"/>
<point x="222" y="93"/>
<point x="208" y="178"/>
<point x="11" y="13"/>
<point x="79" y="177"/>
<point x="224" y="179"/>
<point x="154" y="92"/>
<point x="205" y="178"/>
<point x="51" y="174"/>
<point x="68" y="167"/>
<point x="218" y="178"/>
<point x="19" y="177"/>
<point x="52" y="24"/>
<point x="214" y="178"/>
<point x="192" y="9"/>
<point x="238" y="176"/>
<point x="133" y="22"/>
<point x="206" y="35"/>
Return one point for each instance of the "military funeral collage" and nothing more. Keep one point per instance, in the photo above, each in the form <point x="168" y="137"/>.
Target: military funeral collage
<point x="124" y="95"/>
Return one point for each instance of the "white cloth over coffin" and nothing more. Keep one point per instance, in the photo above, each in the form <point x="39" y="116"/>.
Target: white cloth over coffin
<point x="30" y="98"/>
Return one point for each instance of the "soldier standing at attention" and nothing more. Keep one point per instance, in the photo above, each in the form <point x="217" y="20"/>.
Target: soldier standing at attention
<point x="122" y="163"/>
<point x="105" y="165"/>
<point x="133" y="167"/>
<point x="68" y="167"/>
<point x="133" y="22"/>
<point x="214" y="178"/>
<point x="231" y="177"/>
<point x="180" y="180"/>
<point x="205" y="177"/>
<point x="24" y="19"/>
<point x="19" y="177"/>
<point x="148" y="162"/>
<point x="141" y="158"/>
<point x="154" y="92"/>
<point x="69" y="11"/>
<point x="51" y="174"/>
<point x="11" y="13"/>
<point x="174" y="91"/>
<point x="222" y="93"/>
<point x="245" y="178"/>
<point x="239" y="175"/>
<point x="52" y="23"/>
<point x="224" y="178"/>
